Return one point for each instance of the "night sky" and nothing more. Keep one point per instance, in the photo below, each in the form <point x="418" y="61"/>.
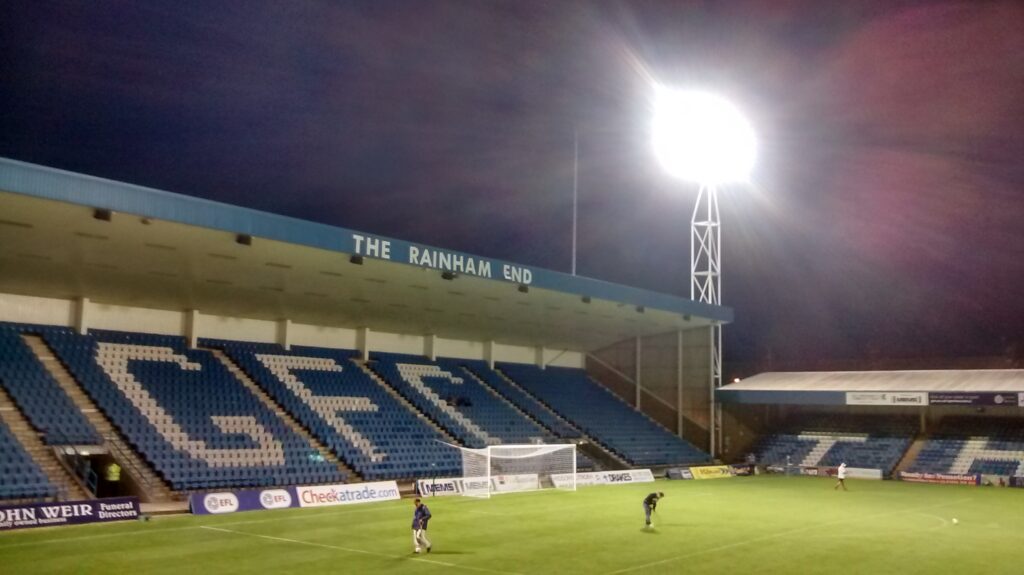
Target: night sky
<point x="886" y="218"/>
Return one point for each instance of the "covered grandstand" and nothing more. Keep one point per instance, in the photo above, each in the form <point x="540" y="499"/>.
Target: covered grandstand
<point x="205" y="346"/>
<point x="957" y="422"/>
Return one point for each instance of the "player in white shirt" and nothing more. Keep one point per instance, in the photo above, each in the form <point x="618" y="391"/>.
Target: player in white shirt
<point x="841" y="475"/>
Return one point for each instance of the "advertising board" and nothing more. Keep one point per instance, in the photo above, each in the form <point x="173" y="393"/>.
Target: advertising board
<point x="863" y="473"/>
<point x="622" y="477"/>
<point x="220" y="502"/>
<point x="329" y="495"/>
<point x="711" y="472"/>
<point x="453" y="486"/>
<point x="513" y="483"/>
<point x="52" y="514"/>
<point x="886" y="398"/>
<point x="983" y="399"/>
<point x="679" y="473"/>
<point x="944" y="478"/>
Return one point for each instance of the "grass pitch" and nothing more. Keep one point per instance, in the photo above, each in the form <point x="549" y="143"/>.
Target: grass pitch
<point x="742" y="525"/>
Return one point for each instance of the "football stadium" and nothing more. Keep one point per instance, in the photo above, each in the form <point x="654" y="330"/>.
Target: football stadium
<point x="205" y="402"/>
<point x="190" y="385"/>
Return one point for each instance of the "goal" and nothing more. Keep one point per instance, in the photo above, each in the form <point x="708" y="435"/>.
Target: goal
<point x="514" y="468"/>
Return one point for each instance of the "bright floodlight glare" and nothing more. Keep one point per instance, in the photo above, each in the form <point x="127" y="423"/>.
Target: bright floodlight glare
<point x="702" y="138"/>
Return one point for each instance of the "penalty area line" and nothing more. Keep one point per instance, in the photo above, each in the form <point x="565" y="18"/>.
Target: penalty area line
<point x="781" y="534"/>
<point x="359" y="551"/>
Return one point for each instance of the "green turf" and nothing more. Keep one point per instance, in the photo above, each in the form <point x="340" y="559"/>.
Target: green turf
<point x="743" y="525"/>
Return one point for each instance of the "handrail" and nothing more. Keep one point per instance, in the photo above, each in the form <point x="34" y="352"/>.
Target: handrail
<point x="77" y="468"/>
<point x="120" y="452"/>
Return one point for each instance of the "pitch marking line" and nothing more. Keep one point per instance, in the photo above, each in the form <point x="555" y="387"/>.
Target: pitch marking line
<point x="943" y="524"/>
<point x="780" y="535"/>
<point x="305" y="517"/>
<point x="310" y="516"/>
<point x="90" y="537"/>
<point x="360" y="551"/>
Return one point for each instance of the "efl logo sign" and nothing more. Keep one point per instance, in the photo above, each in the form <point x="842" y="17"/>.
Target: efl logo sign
<point x="245" y="500"/>
<point x="221" y="503"/>
<point x="275" y="499"/>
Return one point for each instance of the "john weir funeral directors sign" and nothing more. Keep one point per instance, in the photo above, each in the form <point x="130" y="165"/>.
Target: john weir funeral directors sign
<point x="68" y="513"/>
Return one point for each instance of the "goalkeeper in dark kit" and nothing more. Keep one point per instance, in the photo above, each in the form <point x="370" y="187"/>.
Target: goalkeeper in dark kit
<point x="651" y="504"/>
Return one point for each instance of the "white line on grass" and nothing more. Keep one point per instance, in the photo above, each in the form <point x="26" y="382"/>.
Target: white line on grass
<point x="490" y="512"/>
<point x="307" y="516"/>
<point x="273" y="519"/>
<point x="97" y="536"/>
<point x="143" y="531"/>
<point x="781" y="534"/>
<point x="943" y="523"/>
<point x="359" y="551"/>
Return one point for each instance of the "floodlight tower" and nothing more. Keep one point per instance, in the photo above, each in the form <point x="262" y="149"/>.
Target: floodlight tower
<point x="701" y="138"/>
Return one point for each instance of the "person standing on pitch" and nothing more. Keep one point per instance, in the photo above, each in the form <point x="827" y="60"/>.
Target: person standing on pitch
<point x="651" y="504"/>
<point x="841" y="475"/>
<point x="420" y="517"/>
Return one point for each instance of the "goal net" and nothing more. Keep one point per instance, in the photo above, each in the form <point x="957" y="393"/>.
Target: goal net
<point x="514" y="468"/>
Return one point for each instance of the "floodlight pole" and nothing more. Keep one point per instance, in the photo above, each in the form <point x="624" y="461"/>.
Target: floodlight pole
<point x="706" y="286"/>
<point x="575" y="191"/>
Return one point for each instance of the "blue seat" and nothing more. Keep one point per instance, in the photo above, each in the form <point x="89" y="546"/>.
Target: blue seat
<point x="607" y="419"/>
<point x="39" y="397"/>
<point x="20" y="477"/>
<point x="371" y="431"/>
<point x="164" y="407"/>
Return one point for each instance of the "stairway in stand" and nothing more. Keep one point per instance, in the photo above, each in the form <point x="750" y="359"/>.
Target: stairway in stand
<point x="154" y="488"/>
<point x="911" y="454"/>
<point x="69" y="487"/>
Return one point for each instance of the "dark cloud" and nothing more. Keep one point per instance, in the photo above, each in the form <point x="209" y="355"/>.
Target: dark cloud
<point x="886" y="215"/>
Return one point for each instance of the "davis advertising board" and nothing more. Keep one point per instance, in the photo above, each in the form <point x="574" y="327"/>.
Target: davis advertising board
<point x="68" y="513"/>
<point x="564" y="480"/>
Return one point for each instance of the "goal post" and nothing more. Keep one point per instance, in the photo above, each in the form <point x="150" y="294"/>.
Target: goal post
<point x="516" y="468"/>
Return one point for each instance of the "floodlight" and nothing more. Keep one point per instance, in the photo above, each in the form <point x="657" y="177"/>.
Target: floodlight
<point x="702" y="138"/>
